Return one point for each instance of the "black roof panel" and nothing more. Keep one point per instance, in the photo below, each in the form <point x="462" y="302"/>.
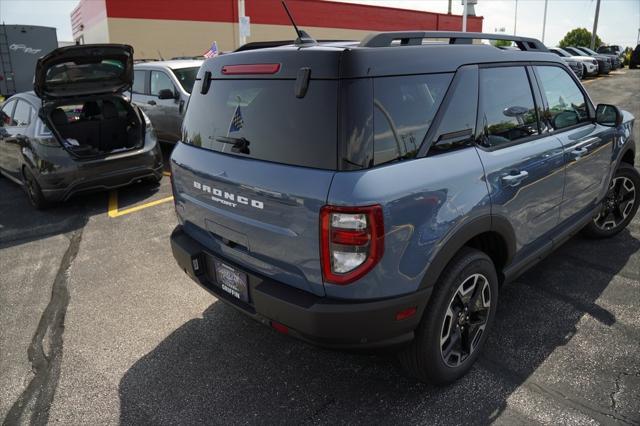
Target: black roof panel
<point x="332" y="60"/>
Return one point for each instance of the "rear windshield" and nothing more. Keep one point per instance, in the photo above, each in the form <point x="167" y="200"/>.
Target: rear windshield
<point x="186" y="77"/>
<point x="264" y="120"/>
<point x="107" y="69"/>
<point x="607" y="49"/>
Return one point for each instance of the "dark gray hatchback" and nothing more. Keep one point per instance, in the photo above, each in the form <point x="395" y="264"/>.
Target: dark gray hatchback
<point x="76" y="132"/>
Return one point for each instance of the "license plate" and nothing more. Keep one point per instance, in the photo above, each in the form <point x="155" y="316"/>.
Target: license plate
<point x="232" y="281"/>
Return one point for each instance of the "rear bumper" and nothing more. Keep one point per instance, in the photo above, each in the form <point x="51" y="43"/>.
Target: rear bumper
<point x="112" y="180"/>
<point x="319" y="320"/>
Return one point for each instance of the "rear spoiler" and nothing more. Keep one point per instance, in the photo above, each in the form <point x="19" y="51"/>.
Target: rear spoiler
<point x="413" y="38"/>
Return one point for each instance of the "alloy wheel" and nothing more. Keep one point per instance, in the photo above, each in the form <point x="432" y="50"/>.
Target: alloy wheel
<point x="465" y="320"/>
<point x="618" y="204"/>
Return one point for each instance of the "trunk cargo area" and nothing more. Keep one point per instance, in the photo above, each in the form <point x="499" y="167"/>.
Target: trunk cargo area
<point x="97" y="127"/>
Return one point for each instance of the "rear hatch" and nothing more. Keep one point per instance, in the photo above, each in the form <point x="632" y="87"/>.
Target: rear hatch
<point x="88" y="69"/>
<point x="256" y="161"/>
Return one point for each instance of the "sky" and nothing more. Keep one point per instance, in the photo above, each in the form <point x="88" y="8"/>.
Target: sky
<point x="618" y="24"/>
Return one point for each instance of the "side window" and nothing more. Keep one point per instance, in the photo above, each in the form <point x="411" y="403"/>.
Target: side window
<point x="139" y="79"/>
<point x="507" y="109"/>
<point x="6" y="113"/>
<point x="403" y="110"/>
<point x="458" y="121"/>
<point x="567" y="104"/>
<point x="159" y="81"/>
<point x="22" y="114"/>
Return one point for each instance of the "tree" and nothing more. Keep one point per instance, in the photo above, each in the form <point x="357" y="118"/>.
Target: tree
<point x="502" y="43"/>
<point x="579" y="37"/>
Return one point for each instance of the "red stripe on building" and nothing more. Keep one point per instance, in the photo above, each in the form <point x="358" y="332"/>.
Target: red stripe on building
<point x="183" y="10"/>
<point x="314" y="13"/>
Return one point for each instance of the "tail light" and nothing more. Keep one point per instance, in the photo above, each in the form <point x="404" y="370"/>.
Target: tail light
<point x="352" y="242"/>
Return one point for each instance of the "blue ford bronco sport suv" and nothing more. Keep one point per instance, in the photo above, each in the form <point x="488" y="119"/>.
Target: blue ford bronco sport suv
<point x="380" y="193"/>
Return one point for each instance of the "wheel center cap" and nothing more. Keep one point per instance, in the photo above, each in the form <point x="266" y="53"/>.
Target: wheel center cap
<point x="463" y="317"/>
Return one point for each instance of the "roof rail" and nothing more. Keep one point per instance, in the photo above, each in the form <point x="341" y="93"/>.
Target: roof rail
<point x="412" y="38"/>
<point x="254" y="45"/>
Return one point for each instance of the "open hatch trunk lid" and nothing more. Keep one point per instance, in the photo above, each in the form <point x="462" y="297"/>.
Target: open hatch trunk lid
<point x="82" y="70"/>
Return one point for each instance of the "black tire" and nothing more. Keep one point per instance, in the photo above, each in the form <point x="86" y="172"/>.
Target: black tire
<point x="33" y="190"/>
<point x="425" y="358"/>
<point x="584" y="72"/>
<point x="619" y="206"/>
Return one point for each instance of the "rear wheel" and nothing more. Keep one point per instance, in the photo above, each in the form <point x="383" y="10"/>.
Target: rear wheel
<point x="456" y="321"/>
<point x="33" y="190"/>
<point x="619" y="206"/>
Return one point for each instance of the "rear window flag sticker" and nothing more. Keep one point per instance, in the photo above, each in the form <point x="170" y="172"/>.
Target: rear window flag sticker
<point x="236" y="121"/>
<point x="212" y="52"/>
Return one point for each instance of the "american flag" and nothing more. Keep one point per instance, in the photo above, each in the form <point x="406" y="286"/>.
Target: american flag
<point x="212" y="52"/>
<point x="236" y="121"/>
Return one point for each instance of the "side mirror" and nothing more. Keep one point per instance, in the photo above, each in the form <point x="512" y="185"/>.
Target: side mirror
<point x="608" y="115"/>
<point x="166" y="94"/>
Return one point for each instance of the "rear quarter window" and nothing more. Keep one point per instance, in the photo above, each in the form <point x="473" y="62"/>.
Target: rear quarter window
<point x="139" y="81"/>
<point x="404" y="108"/>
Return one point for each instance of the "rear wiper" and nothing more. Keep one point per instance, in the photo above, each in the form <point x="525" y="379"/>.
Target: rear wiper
<point x="240" y="145"/>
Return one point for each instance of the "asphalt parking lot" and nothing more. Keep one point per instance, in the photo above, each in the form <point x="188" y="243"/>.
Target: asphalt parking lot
<point x="98" y="325"/>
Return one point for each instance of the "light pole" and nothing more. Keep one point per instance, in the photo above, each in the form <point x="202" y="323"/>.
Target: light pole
<point x="464" y="16"/>
<point x="595" y="26"/>
<point x="241" y="37"/>
<point x="515" y="19"/>
<point x="544" y="19"/>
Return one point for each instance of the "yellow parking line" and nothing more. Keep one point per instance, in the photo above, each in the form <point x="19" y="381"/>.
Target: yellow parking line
<point x="113" y="205"/>
<point x="166" y="173"/>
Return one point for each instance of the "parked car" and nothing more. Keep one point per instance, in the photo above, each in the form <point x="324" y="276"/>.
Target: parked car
<point x="604" y="63"/>
<point x="613" y="49"/>
<point x="634" y="61"/>
<point x="76" y="132"/>
<point x="575" y="65"/>
<point x="615" y="59"/>
<point x="379" y="193"/>
<point x="589" y="64"/>
<point x="161" y="89"/>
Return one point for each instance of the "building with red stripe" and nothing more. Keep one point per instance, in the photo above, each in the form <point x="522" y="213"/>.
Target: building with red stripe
<point x="170" y="28"/>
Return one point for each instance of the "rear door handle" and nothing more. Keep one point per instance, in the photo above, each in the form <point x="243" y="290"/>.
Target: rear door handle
<point x="151" y="102"/>
<point x="514" y="178"/>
